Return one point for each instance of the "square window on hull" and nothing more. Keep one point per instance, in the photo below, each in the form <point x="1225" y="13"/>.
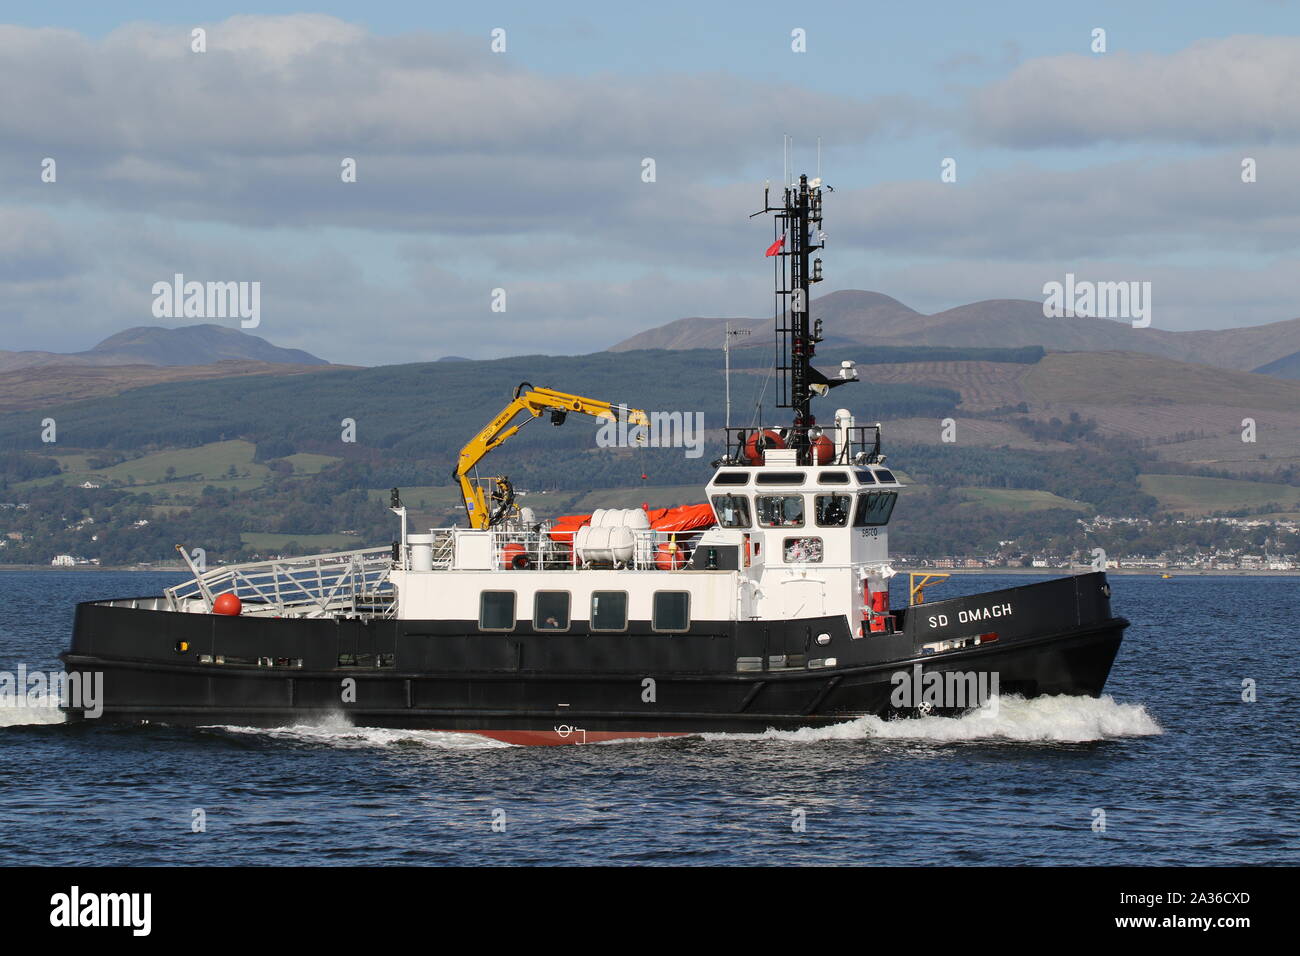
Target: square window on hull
<point x="496" y="611"/>
<point x="672" y="611"/>
<point x="551" y="611"/>
<point x="609" y="611"/>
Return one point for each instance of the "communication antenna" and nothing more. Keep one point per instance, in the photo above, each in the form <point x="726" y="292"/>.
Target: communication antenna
<point x="726" y="352"/>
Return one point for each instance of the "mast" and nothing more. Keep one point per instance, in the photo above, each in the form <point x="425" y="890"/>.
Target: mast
<point x="797" y="221"/>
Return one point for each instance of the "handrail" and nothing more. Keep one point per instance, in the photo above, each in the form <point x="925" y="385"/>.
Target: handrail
<point x="746" y="443"/>
<point x="527" y="549"/>
<point x="340" y="582"/>
<point x="560" y="550"/>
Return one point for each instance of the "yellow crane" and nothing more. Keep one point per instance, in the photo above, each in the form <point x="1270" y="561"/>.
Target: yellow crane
<point x="534" y="401"/>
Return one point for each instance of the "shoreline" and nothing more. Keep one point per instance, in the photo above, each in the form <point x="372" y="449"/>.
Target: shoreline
<point x="178" y="569"/>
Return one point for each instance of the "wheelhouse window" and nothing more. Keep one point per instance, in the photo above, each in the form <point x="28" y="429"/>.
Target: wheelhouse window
<point x="672" y="611"/>
<point x="551" y="611"/>
<point x="609" y="611"/>
<point x="832" y="511"/>
<point x="779" y="511"/>
<point x="874" y="508"/>
<point x="731" y="478"/>
<point x="833" y="477"/>
<point x="886" y="476"/>
<point x="803" y="550"/>
<point x="732" y="510"/>
<point x="496" y="611"/>
<point x="780" y="478"/>
<point x="866" y="477"/>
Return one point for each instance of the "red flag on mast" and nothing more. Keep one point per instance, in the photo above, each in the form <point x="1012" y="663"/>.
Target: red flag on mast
<point x="775" y="248"/>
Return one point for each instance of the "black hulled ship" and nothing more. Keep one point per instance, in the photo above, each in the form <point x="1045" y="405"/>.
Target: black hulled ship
<point x="767" y="607"/>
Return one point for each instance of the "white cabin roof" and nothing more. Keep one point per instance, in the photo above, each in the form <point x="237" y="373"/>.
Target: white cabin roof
<point x="804" y="478"/>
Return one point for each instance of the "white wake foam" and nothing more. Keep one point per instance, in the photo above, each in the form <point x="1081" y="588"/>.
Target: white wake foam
<point x="336" y="730"/>
<point x="1040" y="719"/>
<point x="21" y="713"/>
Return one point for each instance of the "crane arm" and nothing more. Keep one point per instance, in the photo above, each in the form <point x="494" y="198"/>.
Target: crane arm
<point x="533" y="401"/>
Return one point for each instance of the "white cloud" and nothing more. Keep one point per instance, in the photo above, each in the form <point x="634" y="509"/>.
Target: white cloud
<point x="1238" y="89"/>
<point x="444" y="132"/>
<point x="1145" y="207"/>
<point x="225" y="165"/>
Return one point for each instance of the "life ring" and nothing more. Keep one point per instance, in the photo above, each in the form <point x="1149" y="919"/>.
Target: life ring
<point x="515" y="556"/>
<point x="758" y="442"/>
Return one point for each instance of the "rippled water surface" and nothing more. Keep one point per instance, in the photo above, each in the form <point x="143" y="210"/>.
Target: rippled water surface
<point x="1184" y="771"/>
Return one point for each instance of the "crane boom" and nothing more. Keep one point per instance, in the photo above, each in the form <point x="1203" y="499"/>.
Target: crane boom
<point x="534" y="401"/>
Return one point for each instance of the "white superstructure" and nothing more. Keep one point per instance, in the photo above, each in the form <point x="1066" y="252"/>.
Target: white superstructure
<point x="787" y="542"/>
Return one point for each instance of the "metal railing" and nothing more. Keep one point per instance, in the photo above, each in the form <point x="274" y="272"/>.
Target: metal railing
<point x="649" y="550"/>
<point x="444" y="549"/>
<point x="746" y="445"/>
<point x="345" y="582"/>
<point x="544" y="549"/>
<point x="539" y="548"/>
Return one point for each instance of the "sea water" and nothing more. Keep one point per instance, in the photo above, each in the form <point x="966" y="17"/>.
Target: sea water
<point x="1175" y="764"/>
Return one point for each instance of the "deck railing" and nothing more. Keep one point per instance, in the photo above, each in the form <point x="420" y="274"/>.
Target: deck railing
<point x="649" y="550"/>
<point x="542" y="548"/>
<point x="345" y="582"/>
<point x="856" y="444"/>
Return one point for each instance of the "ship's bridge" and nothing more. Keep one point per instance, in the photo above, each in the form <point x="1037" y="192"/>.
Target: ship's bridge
<point x="807" y="495"/>
<point x="796" y="515"/>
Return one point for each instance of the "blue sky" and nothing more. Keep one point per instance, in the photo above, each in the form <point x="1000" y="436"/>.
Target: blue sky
<point x="1068" y="161"/>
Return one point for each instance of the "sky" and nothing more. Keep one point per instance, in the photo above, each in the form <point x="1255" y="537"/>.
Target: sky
<point x="522" y="170"/>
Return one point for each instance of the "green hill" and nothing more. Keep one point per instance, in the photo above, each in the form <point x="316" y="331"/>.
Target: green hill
<point x="1202" y="496"/>
<point x="413" y="419"/>
<point x="255" y="465"/>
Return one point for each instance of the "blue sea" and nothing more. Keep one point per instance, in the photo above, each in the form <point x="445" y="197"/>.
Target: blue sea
<point x="1171" y="767"/>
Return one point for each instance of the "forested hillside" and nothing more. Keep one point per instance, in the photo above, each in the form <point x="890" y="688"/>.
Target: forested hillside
<point x="268" y="464"/>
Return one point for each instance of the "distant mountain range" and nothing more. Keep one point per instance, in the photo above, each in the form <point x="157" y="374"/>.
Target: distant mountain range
<point x="872" y="318"/>
<point x="1042" y="438"/>
<point x="43" y="386"/>
<point x="205" y="344"/>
